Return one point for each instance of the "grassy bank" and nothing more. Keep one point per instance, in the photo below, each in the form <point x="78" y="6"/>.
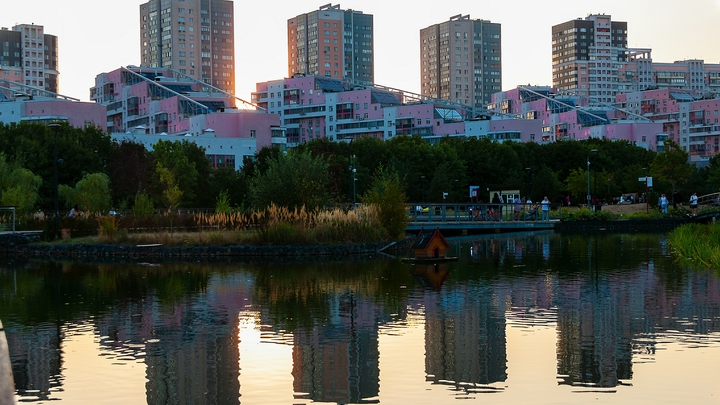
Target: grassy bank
<point x="697" y="244"/>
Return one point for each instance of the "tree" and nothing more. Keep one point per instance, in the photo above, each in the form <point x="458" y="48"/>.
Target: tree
<point x="173" y="157"/>
<point x="293" y="181"/>
<point x="172" y="193"/>
<point x="131" y="172"/>
<point x="671" y="165"/>
<point x="18" y="187"/>
<point x="92" y="193"/>
<point x="577" y="184"/>
<point x="546" y="183"/>
<point x="142" y="205"/>
<point x="388" y="195"/>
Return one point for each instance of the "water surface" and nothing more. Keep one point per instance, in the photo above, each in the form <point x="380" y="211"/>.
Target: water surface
<point x="530" y="318"/>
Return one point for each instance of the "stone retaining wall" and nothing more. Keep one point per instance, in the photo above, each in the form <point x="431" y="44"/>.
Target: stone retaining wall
<point x="17" y="248"/>
<point x="623" y="225"/>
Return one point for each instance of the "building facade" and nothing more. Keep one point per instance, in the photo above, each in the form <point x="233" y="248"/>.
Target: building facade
<point x="193" y="37"/>
<point x="29" y="56"/>
<point x="147" y="105"/>
<point x="332" y="42"/>
<point x="461" y="60"/>
<point x="690" y="120"/>
<point x="313" y="107"/>
<point x="568" y="118"/>
<point x="641" y="73"/>
<point x="587" y="55"/>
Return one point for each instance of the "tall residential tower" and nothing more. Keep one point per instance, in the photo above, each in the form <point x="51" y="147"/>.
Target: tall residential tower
<point x="193" y="37"/>
<point x="461" y="60"/>
<point x="332" y="42"/>
<point x="587" y="56"/>
<point x="29" y="56"/>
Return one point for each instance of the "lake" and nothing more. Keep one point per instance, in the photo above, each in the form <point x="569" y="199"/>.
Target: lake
<point x="538" y="318"/>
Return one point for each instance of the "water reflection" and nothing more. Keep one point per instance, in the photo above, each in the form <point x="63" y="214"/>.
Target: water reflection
<point x="187" y="329"/>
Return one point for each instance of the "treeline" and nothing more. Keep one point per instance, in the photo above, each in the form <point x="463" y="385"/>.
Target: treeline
<point x="97" y="174"/>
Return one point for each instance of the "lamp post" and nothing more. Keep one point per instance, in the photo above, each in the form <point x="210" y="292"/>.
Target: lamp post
<point x="528" y="170"/>
<point x="608" y="192"/>
<point x="56" y="128"/>
<point x="353" y="172"/>
<point x="647" y="199"/>
<point x="422" y="185"/>
<point x="588" y="182"/>
<point x="595" y="153"/>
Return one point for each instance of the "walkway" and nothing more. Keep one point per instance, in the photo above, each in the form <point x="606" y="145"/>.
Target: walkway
<point x="478" y="218"/>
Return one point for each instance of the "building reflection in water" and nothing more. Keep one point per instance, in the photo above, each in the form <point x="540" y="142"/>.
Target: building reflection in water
<point x="338" y="362"/>
<point x="609" y="310"/>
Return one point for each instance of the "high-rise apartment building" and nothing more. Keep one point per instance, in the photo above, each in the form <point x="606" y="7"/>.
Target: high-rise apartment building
<point x="332" y="42"/>
<point x="587" y="56"/>
<point x="32" y="55"/>
<point x="461" y="60"/>
<point x="193" y="37"/>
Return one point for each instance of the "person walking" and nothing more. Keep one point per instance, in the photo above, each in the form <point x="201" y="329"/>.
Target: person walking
<point x="663" y="204"/>
<point x="516" y="208"/>
<point x="694" y="204"/>
<point x="545" y="209"/>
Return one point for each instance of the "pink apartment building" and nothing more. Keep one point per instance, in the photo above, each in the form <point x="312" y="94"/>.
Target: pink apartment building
<point x="569" y="118"/>
<point x="691" y="121"/>
<point x="148" y="104"/>
<point x="313" y="107"/>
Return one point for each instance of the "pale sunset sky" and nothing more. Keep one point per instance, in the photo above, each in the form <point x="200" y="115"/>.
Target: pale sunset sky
<point x="98" y="36"/>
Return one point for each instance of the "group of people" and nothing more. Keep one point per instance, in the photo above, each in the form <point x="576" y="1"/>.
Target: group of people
<point x="663" y="203"/>
<point x="523" y="209"/>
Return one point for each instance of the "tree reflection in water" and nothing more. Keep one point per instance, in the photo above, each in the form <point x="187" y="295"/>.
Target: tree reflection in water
<point x="611" y="298"/>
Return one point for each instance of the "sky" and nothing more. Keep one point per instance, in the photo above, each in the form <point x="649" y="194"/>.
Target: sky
<point x="97" y="36"/>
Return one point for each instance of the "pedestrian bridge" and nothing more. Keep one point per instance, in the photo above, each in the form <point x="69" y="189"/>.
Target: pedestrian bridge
<point x="708" y="207"/>
<point x="481" y="218"/>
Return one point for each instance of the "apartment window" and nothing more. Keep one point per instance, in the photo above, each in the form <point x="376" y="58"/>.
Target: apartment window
<point x="252" y="133"/>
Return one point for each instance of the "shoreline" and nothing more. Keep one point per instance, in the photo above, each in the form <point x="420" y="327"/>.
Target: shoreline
<point x="111" y="251"/>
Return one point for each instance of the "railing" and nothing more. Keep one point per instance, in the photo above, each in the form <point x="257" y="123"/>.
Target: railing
<point x="422" y="212"/>
<point x="709" y="204"/>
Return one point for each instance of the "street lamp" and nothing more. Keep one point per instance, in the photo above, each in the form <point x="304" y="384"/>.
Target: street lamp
<point x="56" y="127"/>
<point x="608" y="192"/>
<point x="528" y="170"/>
<point x="647" y="199"/>
<point x="353" y="171"/>
<point x="595" y="153"/>
<point x="588" y="182"/>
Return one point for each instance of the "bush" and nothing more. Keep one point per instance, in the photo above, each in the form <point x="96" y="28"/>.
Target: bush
<point x="142" y="205"/>
<point x="585" y="214"/>
<point x="387" y="194"/>
<point x="107" y="228"/>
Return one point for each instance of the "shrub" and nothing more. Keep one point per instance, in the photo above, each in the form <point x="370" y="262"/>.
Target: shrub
<point x="142" y="205"/>
<point x="387" y="194"/>
<point x="107" y="228"/>
<point x="585" y="214"/>
<point x="222" y="204"/>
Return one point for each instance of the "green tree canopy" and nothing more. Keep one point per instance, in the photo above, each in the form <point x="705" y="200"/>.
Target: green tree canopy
<point x="388" y="195"/>
<point x="18" y="187"/>
<point x="91" y="193"/>
<point x="671" y="165"/>
<point x="293" y="180"/>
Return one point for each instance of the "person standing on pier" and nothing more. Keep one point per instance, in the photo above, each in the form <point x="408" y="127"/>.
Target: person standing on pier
<point x="545" y="209"/>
